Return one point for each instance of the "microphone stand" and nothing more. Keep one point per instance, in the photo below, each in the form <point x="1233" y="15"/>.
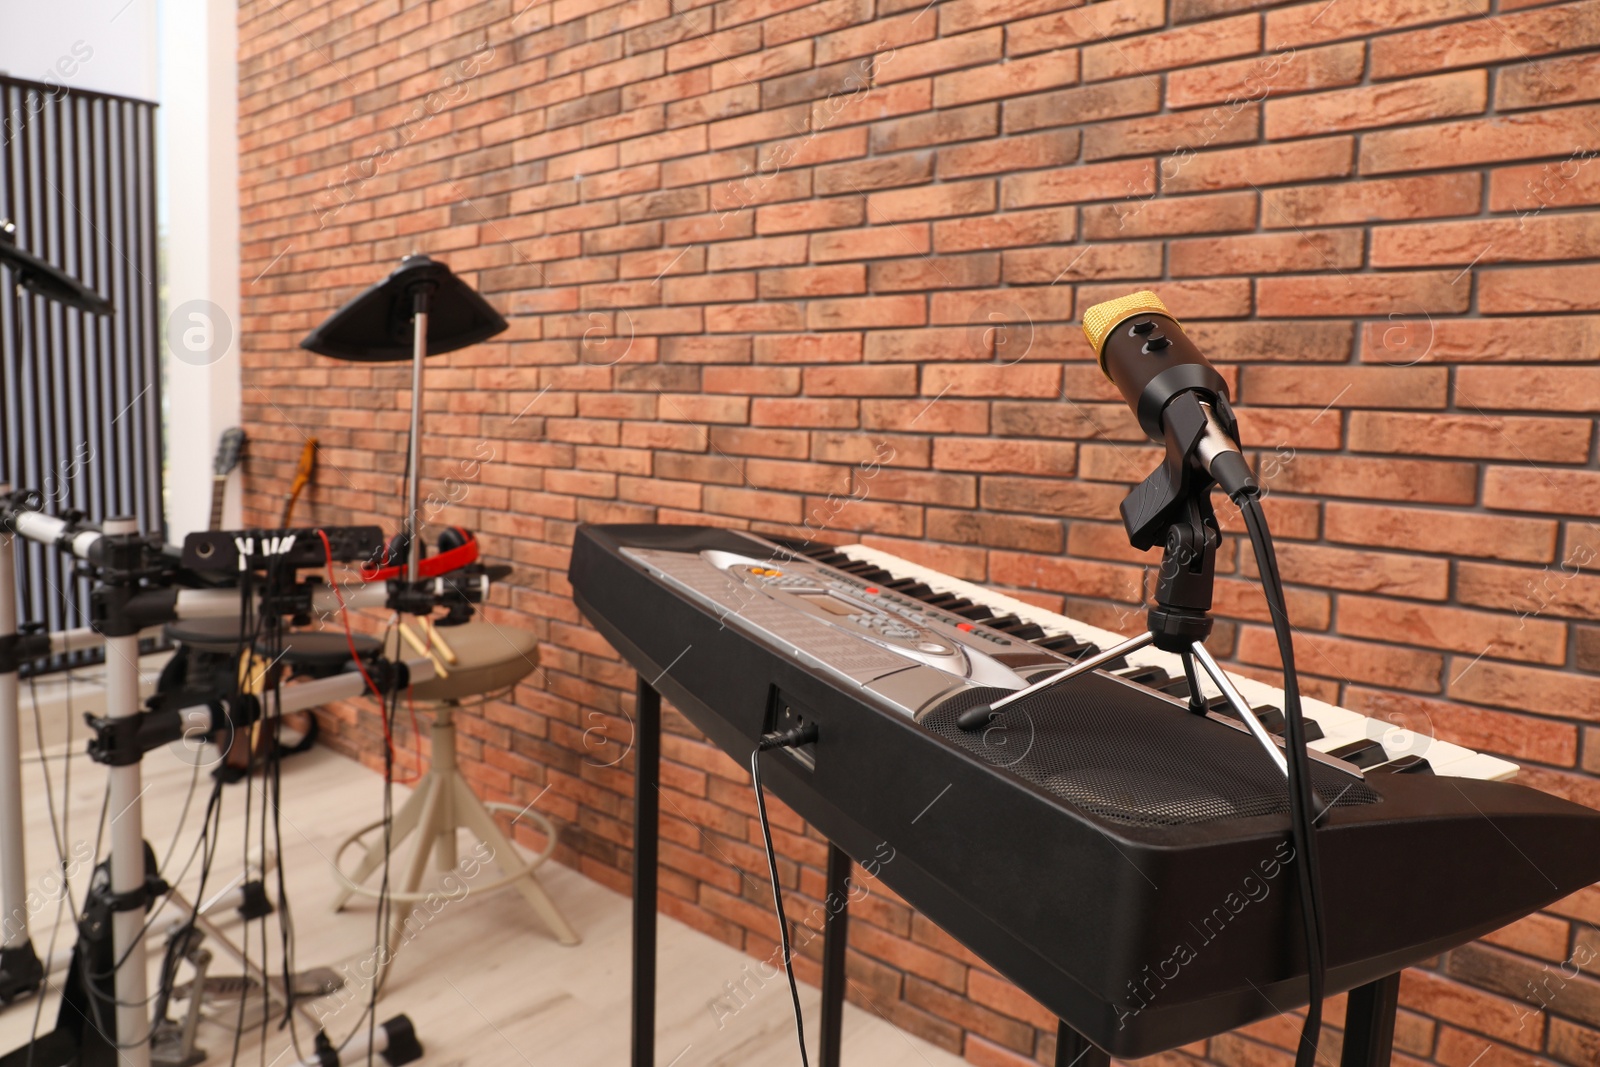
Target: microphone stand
<point x="1171" y="507"/>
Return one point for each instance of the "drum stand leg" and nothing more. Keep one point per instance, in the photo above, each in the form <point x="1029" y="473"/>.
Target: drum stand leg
<point x="442" y="803"/>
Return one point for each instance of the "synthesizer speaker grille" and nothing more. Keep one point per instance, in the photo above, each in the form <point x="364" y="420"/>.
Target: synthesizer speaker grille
<point x="1128" y="756"/>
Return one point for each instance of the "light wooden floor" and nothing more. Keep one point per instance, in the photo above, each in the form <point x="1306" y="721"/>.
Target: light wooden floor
<point x="482" y="983"/>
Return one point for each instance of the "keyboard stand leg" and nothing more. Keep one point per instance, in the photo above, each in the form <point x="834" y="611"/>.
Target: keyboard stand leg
<point x="1075" y="1050"/>
<point x="646" y="839"/>
<point x="1369" y="1023"/>
<point x="835" y="939"/>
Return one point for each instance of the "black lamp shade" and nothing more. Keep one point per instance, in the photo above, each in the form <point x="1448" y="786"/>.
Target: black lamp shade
<point x="37" y="276"/>
<point x="375" y="327"/>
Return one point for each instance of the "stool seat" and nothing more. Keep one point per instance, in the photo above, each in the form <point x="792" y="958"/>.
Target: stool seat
<point x="489" y="658"/>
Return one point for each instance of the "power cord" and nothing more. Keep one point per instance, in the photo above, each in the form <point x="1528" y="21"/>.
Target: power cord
<point x="1304" y="805"/>
<point x="800" y="735"/>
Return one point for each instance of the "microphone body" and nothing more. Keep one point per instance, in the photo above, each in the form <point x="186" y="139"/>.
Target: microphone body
<point x="1174" y="391"/>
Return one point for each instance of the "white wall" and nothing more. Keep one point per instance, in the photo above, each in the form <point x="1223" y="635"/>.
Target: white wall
<point x="47" y="42"/>
<point x="200" y="182"/>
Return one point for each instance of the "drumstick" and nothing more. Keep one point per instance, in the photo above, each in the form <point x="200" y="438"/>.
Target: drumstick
<point x="422" y="649"/>
<point x="439" y="642"/>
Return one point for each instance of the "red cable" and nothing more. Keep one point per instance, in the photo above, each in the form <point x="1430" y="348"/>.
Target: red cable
<point x="344" y="618"/>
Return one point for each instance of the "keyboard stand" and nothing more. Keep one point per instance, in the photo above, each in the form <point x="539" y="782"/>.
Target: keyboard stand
<point x="1072" y="1048"/>
<point x="1369" y="1023"/>
<point x="646" y="853"/>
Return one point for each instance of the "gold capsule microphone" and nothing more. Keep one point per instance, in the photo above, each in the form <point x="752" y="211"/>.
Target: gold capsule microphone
<point x="1174" y="391"/>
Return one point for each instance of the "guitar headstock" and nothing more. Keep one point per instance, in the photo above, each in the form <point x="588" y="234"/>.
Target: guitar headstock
<point x="308" y="461"/>
<point x="229" y="450"/>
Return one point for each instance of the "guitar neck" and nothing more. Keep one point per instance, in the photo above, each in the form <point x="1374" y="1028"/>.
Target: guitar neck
<point x="219" y="489"/>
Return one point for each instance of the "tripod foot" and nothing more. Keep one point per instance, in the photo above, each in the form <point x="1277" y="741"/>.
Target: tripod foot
<point x="20" y="972"/>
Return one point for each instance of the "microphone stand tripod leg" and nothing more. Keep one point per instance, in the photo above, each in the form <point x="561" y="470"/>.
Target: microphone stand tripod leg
<point x="1252" y="723"/>
<point x="1197" y="700"/>
<point x="980" y="716"/>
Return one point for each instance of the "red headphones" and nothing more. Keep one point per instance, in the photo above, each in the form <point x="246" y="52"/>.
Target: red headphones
<point x="457" y="548"/>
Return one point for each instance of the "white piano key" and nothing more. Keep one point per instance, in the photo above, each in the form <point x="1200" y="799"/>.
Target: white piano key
<point x="1340" y="726"/>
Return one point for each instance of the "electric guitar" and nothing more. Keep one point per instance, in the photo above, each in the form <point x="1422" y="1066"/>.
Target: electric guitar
<point x="302" y="478"/>
<point x="229" y="451"/>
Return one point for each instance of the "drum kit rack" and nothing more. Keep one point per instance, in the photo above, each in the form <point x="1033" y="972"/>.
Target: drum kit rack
<point x="105" y="1016"/>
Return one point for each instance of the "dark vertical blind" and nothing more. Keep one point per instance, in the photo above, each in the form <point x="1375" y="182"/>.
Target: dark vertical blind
<point x="80" y="404"/>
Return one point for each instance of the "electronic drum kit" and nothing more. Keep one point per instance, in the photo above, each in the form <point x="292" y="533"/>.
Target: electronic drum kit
<point x="228" y="602"/>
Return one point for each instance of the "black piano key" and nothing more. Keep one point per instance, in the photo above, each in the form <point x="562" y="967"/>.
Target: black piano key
<point x="1313" y="729"/>
<point x="1027" y="631"/>
<point x="1272" y="719"/>
<point x="1406" y="765"/>
<point x="1069" y="646"/>
<point x="1364" y="753"/>
<point x="1154" y="677"/>
<point x="975" y="612"/>
<point x="1178" y="687"/>
<point x="910" y="587"/>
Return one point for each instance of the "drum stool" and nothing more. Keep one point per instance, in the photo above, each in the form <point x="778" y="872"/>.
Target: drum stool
<point x="488" y="659"/>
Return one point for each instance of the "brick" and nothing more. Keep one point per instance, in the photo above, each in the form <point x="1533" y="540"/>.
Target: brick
<point x="1259" y="165"/>
<point x="1500" y="139"/>
<point x="1266" y="253"/>
<point x="1567" y="80"/>
<point x="1051" y="458"/>
<point x="1427" y="481"/>
<point x="1088" y="103"/>
<point x="1216" y="213"/>
<point x="1189" y="131"/>
<point x="1522" y="35"/>
<point x="1408" y="342"/>
<point x="1106" y="181"/>
<point x="1388" y="104"/>
<point x="1568" y="182"/>
<point x="1527" y="488"/>
<point x="1180" y="47"/>
<point x="1350" y="661"/>
<point x="1430" y="196"/>
<point x="1346" y="387"/>
<point x="1011" y="229"/>
<point x="866" y="312"/>
<point x="940" y="127"/>
<point x="1571" y="696"/>
<point x="1316" y="22"/>
<point x="1361" y="571"/>
<point x="1539" y="289"/>
<point x="1454" y="629"/>
<point x="1277" y="74"/>
<point x="1485" y="241"/>
<point x="860" y="177"/>
<point x="1311" y="342"/>
<point x="1553" y="440"/>
<point x="1083" y="262"/>
<point x="963" y="198"/>
<point x="1081" y="25"/>
<point x="1033" y="74"/>
<point x="1545" y="388"/>
<point x="941" y="379"/>
<point x="799" y="282"/>
<point x="1563" y="590"/>
<point x="1028" y="152"/>
<point x="946" y="53"/>
<point x="1054" y="573"/>
<point x="1407" y="293"/>
<point x="925" y="273"/>
<point x="901" y="239"/>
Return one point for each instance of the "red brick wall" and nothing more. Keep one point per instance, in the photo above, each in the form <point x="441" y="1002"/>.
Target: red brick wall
<point x="743" y="244"/>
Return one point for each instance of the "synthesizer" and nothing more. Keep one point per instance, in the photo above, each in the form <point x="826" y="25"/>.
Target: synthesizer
<point x="1360" y="739"/>
<point x="1122" y="859"/>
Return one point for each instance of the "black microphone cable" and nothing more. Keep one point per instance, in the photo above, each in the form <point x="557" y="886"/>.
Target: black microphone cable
<point x="1303" y="801"/>
<point x="802" y="735"/>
